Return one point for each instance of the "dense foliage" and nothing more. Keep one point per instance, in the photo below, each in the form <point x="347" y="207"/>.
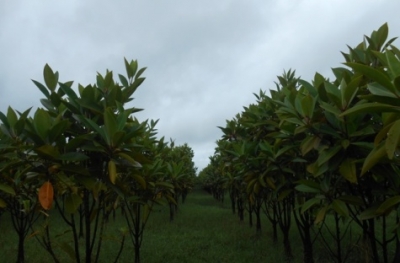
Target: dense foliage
<point x="85" y="155"/>
<point x="319" y="151"/>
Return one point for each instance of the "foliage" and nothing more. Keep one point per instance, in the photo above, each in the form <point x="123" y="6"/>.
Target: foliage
<point x="85" y="151"/>
<point x="323" y="148"/>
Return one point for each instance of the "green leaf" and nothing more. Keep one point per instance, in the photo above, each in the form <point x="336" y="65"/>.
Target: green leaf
<point x="58" y="130"/>
<point x="11" y="117"/>
<point x="140" y="180"/>
<point x="130" y="159"/>
<point x="309" y="203"/>
<point x="307" y="189"/>
<point x="321" y="215"/>
<point x="284" y="194"/>
<point x="326" y="155"/>
<point x="139" y="73"/>
<point x="311" y="89"/>
<point x="72" y="202"/>
<point x="379" y="90"/>
<point x="68" y="249"/>
<point x="42" y="123"/>
<point x="68" y="91"/>
<point x="123" y="80"/>
<point x="7" y="189"/>
<point x="382" y="34"/>
<point x="146" y="213"/>
<point x="368" y="213"/>
<point x="393" y="139"/>
<point x="42" y="88"/>
<point x="48" y="150"/>
<point x="3" y="203"/>
<point x="130" y="68"/>
<point x="110" y="124"/>
<point x="309" y="143"/>
<point x="394" y="64"/>
<point x="307" y="106"/>
<point x="388" y="204"/>
<point x="73" y="157"/>
<point x="50" y="78"/>
<point x="333" y="93"/>
<point x="370" y="108"/>
<point x="340" y="208"/>
<point x="112" y="171"/>
<point x="373" y="74"/>
<point x="373" y="158"/>
<point x="348" y="170"/>
<point x="349" y="91"/>
<point x="352" y="200"/>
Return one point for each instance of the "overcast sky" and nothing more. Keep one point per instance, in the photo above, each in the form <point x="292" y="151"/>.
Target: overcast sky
<point x="204" y="59"/>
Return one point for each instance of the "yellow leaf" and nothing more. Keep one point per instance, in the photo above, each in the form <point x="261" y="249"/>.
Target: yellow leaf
<point x="112" y="171"/>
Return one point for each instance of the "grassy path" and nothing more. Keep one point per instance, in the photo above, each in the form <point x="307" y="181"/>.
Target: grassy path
<point x="204" y="230"/>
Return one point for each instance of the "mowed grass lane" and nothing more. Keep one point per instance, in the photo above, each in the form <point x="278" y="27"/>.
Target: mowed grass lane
<point x="204" y="230"/>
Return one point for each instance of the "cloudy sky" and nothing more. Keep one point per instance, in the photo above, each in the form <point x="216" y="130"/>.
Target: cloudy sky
<point x="204" y="59"/>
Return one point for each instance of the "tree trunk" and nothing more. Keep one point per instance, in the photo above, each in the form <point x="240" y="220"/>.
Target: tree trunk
<point x="171" y="212"/>
<point x="307" y="246"/>
<point x="21" y="249"/>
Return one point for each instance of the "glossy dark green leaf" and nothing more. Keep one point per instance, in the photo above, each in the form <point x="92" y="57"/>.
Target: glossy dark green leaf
<point x="348" y="170"/>
<point x="379" y="90"/>
<point x="72" y="202"/>
<point x="68" y="91"/>
<point x="340" y="207"/>
<point x="42" y="123"/>
<point x="321" y="215"/>
<point x="48" y="150"/>
<point x="393" y="139"/>
<point x="349" y="91"/>
<point x="110" y="124"/>
<point x="394" y="64"/>
<point x="307" y="189"/>
<point x="73" y="157"/>
<point x="123" y="80"/>
<point x="11" y="117"/>
<point x="58" y="130"/>
<point x="388" y="204"/>
<point x="309" y="203"/>
<point x="373" y="74"/>
<point x="327" y="154"/>
<point x="376" y="155"/>
<point x="42" y="88"/>
<point x="7" y="189"/>
<point x="370" y="108"/>
<point x="50" y="78"/>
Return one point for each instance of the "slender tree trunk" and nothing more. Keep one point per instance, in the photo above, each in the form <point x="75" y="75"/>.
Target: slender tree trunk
<point x="171" y="212"/>
<point x="81" y="216"/>
<point x="137" y="253"/>
<point x="240" y="209"/>
<point x="233" y="203"/>
<point x="307" y="246"/>
<point x="338" y="239"/>
<point x="21" y="249"/>
<point x="87" y="227"/>
<point x="257" y="212"/>
<point x="250" y="216"/>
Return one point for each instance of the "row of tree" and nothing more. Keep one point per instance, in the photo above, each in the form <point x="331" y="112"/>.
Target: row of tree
<point x="322" y="155"/>
<point x="85" y="155"/>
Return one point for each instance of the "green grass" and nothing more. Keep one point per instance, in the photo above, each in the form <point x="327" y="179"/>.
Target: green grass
<point x="204" y="230"/>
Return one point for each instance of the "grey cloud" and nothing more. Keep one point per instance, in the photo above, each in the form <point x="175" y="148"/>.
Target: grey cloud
<point x="204" y="58"/>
